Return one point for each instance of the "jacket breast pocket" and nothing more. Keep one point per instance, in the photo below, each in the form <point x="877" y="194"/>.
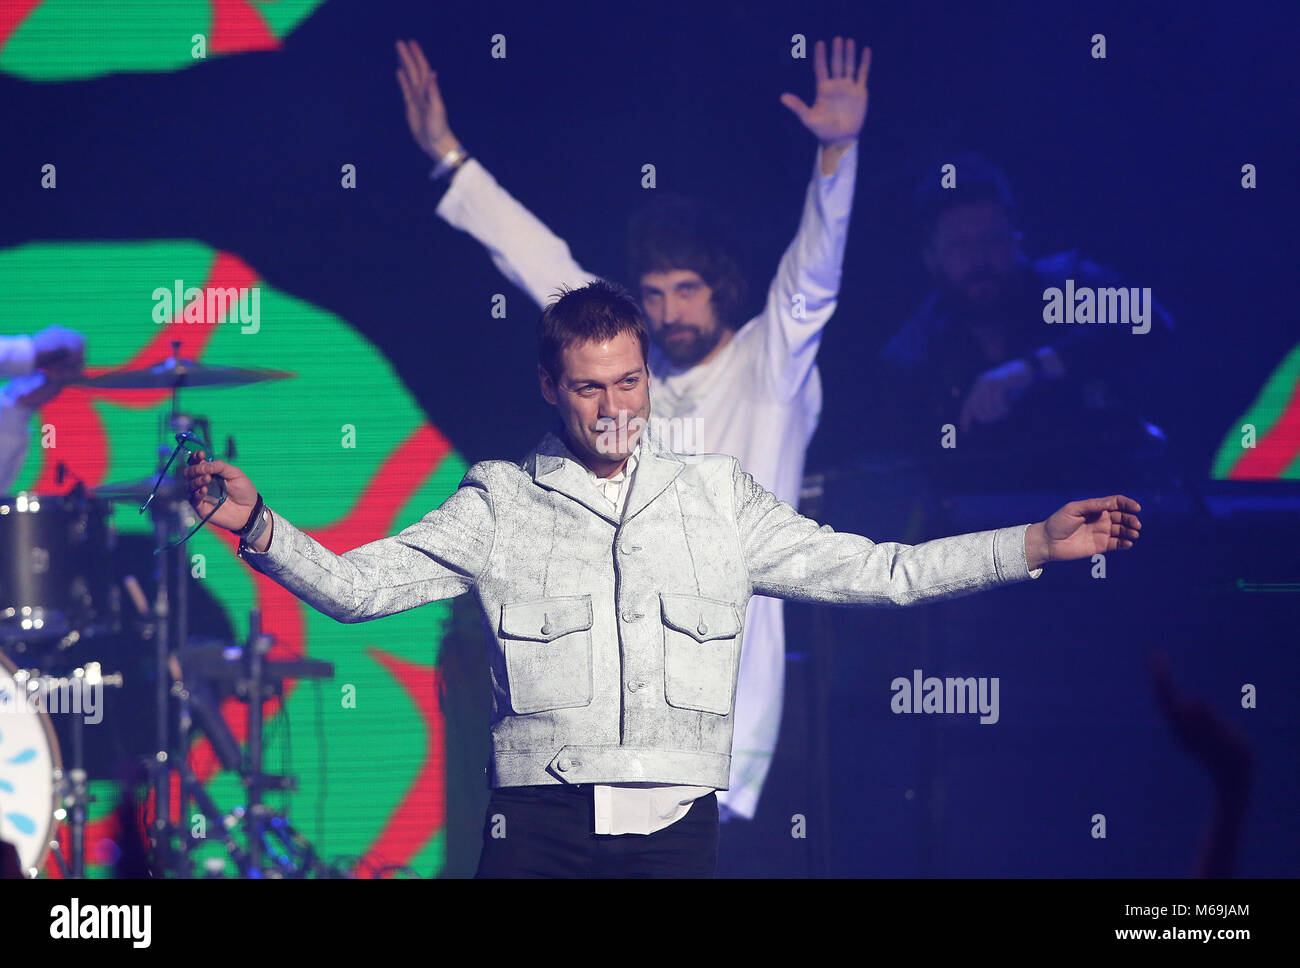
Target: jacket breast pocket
<point x="547" y="645"/>
<point x="701" y="648"/>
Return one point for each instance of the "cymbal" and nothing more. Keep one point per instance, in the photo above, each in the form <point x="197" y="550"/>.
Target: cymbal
<point x="177" y="371"/>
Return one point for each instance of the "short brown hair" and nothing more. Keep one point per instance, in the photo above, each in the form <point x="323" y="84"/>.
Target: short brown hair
<point x="596" y="312"/>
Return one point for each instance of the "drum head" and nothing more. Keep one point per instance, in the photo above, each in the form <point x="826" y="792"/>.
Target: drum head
<point x="29" y="761"/>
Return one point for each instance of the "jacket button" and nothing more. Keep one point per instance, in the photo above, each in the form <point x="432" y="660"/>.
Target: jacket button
<point x="702" y="628"/>
<point x="630" y="549"/>
<point x="563" y="764"/>
<point x="635" y="685"/>
<point x="631" y="616"/>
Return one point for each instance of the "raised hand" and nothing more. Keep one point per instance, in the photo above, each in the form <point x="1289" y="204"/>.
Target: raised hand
<point x="840" y="106"/>
<point x="425" y="112"/>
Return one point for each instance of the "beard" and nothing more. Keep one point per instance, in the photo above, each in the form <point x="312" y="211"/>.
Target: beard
<point x="993" y="296"/>
<point x="689" y="349"/>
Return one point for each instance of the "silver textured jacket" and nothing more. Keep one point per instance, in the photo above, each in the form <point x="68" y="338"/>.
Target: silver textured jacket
<point x="614" y="645"/>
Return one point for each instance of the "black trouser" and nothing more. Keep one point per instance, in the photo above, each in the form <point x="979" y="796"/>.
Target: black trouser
<point x="546" y="831"/>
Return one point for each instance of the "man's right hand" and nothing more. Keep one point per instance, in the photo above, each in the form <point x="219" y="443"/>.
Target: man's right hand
<point x="34" y="391"/>
<point x="241" y="495"/>
<point x="425" y="112"/>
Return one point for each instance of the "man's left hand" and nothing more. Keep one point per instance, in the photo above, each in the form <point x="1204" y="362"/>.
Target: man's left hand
<point x="840" y="107"/>
<point x="1082" y="529"/>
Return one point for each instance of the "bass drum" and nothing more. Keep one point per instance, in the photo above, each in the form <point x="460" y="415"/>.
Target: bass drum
<point x="30" y="765"/>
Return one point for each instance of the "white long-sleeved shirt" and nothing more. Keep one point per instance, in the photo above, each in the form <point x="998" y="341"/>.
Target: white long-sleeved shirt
<point x="17" y="355"/>
<point x="17" y="359"/>
<point x="758" y="400"/>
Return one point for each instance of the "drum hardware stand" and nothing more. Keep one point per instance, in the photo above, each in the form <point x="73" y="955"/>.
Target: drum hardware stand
<point x="255" y="684"/>
<point x="70" y="783"/>
<point x="159" y="771"/>
<point x="255" y="652"/>
<point x="170" y="609"/>
<point x="191" y="788"/>
<point x="169" y="517"/>
<point x="192" y="697"/>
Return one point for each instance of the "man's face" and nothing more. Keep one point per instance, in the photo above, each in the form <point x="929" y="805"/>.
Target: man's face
<point x="973" y="252"/>
<point x="678" y="307"/>
<point x="603" y="399"/>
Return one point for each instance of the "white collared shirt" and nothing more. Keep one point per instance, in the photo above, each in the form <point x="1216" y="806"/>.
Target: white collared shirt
<point x="636" y="808"/>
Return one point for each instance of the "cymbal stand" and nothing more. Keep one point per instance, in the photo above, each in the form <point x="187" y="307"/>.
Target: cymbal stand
<point x="274" y="848"/>
<point x="190" y="786"/>
<point x="171" y="611"/>
<point x="159" y="768"/>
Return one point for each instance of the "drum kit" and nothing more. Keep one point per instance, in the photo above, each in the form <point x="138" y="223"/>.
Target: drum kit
<point x="64" y="620"/>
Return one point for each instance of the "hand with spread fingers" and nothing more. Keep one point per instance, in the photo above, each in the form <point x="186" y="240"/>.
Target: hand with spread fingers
<point x="839" y="107"/>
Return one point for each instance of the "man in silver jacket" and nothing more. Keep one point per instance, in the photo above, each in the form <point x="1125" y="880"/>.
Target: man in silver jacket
<point x="615" y="636"/>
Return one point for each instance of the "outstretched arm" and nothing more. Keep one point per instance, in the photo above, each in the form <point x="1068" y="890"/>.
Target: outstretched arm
<point x="20" y="397"/>
<point x="802" y="296"/>
<point x="438" y="557"/>
<point x="791" y="556"/>
<point x="524" y="250"/>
